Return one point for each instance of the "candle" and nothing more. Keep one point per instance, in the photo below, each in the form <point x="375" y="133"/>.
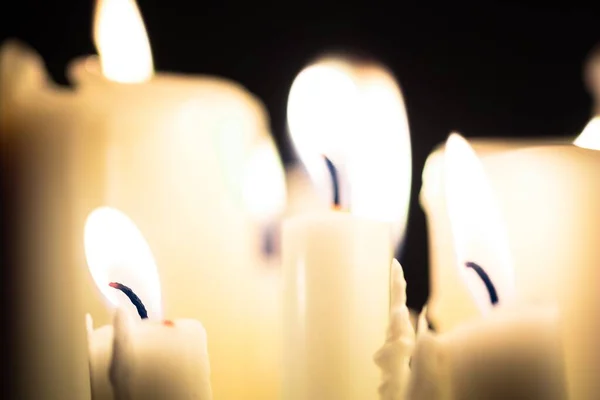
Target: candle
<point x="176" y="153"/>
<point x="336" y="264"/>
<point x="138" y="359"/>
<point x="393" y="358"/>
<point x="505" y="351"/>
<point x="42" y="283"/>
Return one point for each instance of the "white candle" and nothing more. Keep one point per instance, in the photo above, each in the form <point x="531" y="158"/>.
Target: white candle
<point x="39" y="275"/>
<point x="142" y="359"/>
<point x="177" y="154"/>
<point x="335" y="264"/>
<point x="159" y="360"/>
<point x="506" y="351"/>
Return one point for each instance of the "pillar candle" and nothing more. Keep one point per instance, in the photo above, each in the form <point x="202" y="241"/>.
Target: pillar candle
<point x="336" y="264"/>
<point x="43" y="304"/>
<point x="507" y="349"/>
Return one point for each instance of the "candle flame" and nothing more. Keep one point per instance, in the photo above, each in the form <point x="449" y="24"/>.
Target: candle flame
<point x="477" y="226"/>
<point x="122" y="42"/>
<point x="354" y="114"/>
<point x="116" y="251"/>
<point x="590" y="136"/>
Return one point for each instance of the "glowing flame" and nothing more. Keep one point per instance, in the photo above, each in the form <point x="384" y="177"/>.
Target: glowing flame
<point x="354" y="114"/>
<point x="122" y="41"/>
<point x="477" y="226"/>
<point x="264" y="184"/>
<point x="116" y="251"/>
<point x="590" y="136"/>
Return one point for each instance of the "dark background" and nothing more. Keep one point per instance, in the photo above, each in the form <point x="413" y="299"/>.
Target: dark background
<point x="493" y="68"/>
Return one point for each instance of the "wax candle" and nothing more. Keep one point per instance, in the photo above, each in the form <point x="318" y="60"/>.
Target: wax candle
<point x="505" y="351"/>
<point x="139" y="359"/>
<point x="43" y="303"/>
<point x="394" y="356"/>
<point x="335" y="263"/>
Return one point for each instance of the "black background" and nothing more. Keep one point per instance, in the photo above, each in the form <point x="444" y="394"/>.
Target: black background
<point x="492" y="68"/>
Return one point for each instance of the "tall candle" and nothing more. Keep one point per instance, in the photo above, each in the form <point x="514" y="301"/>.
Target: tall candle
<point x="173" y="153"/>
<point x="43" y="303"/>
<point x="336" y="264"/>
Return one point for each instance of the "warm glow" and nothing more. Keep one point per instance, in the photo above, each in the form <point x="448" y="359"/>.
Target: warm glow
<point x="477" y="227"/>
<point x="590" y="136"/>
<point x="122" y="41"/>
<point x="116" y="251"/>
<point x="264" y="183"/>
<point x="354" y="114"/>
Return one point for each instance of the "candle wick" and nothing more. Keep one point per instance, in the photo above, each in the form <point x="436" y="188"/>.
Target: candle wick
<point x="486" y="280"/>
<point x="141" y="309"/>
<point x="334" y="181"/>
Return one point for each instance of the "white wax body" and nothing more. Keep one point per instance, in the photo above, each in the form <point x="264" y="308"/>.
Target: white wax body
<point x="530" y="184"/>
<point x="150" y="360"/>
<point x="336" y="271"/>
<point x="44" y="332"/>
<point x="513" y="354"/>
<point x="170" y="153"/>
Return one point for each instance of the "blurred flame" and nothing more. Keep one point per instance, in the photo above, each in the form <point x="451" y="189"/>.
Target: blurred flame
<point x="264" y="183"/>
<point x="590" y="136"/>
<point x="477" y="226"/>
<point x="122" y="42"/>
<point x="116" y="251"/>
<point x="355" y="115"/>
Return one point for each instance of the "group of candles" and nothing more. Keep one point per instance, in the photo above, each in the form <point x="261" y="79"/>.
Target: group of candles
<point x="165" y="186"/>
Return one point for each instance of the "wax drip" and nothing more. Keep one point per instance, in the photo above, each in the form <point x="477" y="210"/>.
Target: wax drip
<point x="334" y="181"/>
<point x="486" y="280"/>
<point x="133" y="297"/>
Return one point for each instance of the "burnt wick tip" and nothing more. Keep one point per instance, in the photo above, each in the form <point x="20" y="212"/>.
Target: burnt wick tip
<point x="489" y="285"/>
<point x="135" y="300"/>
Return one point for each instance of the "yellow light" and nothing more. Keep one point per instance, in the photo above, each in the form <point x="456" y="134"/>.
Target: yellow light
<point x="264" y="184"/>
<point x="122" y="42"/>
<point x="478" y="230"/>
<point x="116" y="251"/>
<point x="354" y="114"/>
<point x="590" y="136"/>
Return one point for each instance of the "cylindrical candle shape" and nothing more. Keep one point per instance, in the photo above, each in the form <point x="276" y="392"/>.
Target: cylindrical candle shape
<point x="160" y="360"/>
<point x="172" y="152"/>
<point x="510" y="355"/>
<point x="336" y="301"/>
<point x="44" y="328"/>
